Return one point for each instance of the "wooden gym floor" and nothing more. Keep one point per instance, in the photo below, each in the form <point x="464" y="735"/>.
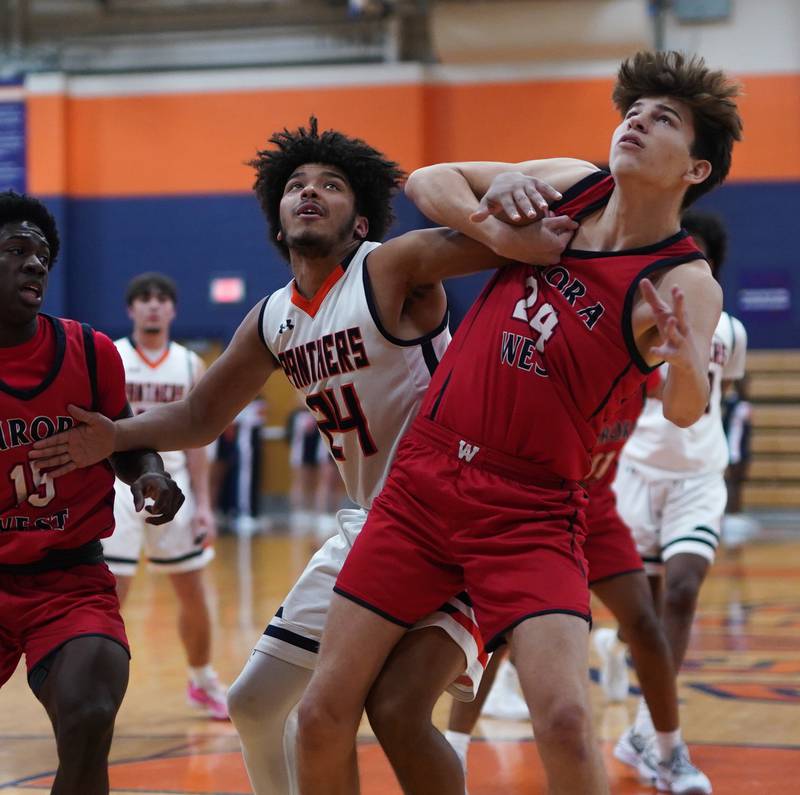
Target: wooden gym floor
<point x="740" y="688"/>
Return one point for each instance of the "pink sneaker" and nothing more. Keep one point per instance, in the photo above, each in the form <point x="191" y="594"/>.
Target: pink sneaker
<point x="210" y="698"/>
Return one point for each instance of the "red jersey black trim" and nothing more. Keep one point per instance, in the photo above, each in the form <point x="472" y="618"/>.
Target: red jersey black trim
<point x="91" y="363"/>
<point x="611" y="389"/>
<point x="627" y="308"/>
<point x="58" y="360"/>
<point x="579" y="253"/>
<point x="373" y="310"/>
<point x="589" y="181"/>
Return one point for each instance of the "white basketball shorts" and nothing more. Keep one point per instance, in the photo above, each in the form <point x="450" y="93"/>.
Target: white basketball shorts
<point x="170" y="548"/>
<point x="671" y="516"/>
<point x="294" y="633"/>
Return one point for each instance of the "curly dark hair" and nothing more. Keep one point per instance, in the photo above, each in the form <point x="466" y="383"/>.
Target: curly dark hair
<point x="710" y="228"/>
<point x="710" y="95"/>
<point x="373" y="178"/>
<point x="21" y="207"/>
<point x="145" y="283"/>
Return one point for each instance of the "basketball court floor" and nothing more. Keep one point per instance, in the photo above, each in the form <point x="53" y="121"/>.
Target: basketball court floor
<point x="740" y="688"/>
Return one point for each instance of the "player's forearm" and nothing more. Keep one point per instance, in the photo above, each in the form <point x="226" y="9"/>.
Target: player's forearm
<point x="129" y="466"/>
<point x="173" y="426"/>
<point x="686" y="394"/>
<point x="444" y="195"/>
<point x="199" y="468"/>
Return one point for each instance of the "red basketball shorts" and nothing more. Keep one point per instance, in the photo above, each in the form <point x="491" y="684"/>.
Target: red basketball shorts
<point x="41" y="612"/>
<point x="455" y="516"/>
<point x="609" y="549"/>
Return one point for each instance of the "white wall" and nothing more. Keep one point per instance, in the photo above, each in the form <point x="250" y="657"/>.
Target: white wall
<point x="760" y="36"/>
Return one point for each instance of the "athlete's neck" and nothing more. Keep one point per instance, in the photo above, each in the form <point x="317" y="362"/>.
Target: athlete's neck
<point x="151" y="341"/>
<point x="12" y="335"/>
<point x="635" y="216"/>
<point x="310" y="273"/>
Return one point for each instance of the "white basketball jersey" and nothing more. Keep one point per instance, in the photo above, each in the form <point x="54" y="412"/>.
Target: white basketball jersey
<point x="661" y="449"/>
<point x="362" y="384"/>
<point x="163" y="380"/>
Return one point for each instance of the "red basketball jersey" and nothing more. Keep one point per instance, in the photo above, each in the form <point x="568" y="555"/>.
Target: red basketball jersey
<point x="547" y="353"/>
<point x="37" y="381"/>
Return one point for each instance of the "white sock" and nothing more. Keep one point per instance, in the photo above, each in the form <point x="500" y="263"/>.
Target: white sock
<point x="202" y="675"/>
<point x="667" y="743"/>
<point x="460" y="742"/>
<point x="644" y="723"/>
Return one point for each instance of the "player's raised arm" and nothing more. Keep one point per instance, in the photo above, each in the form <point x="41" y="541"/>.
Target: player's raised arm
<point x="228" y="386"/>
<point x="460" y="194"/>
<point x="685" y="311"/>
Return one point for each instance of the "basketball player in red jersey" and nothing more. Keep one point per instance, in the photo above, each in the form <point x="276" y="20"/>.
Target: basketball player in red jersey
<point x="485" y="490"/>
<point x="617" y="577"/>
<point x="327" y="201"/>
<point x="58" y="605"/>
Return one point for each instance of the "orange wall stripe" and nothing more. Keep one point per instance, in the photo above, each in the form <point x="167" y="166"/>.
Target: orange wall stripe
<point x="47" y="144"/>
<point x="173" y="144"/>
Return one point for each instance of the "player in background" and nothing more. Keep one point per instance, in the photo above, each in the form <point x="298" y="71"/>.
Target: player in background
<point x="158" y="370"/>
<point x="671" y="489"/>
<point x="58" y="606"/>
<point x="358" y="331"/>
<point x="484" y="491"/>
<point x="617" y="578"/>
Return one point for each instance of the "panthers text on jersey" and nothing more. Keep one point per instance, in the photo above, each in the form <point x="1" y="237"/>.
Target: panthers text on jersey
<point x="362" y="384"/>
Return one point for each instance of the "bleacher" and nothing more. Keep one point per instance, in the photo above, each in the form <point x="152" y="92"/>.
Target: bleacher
<point x="774" y="391"/>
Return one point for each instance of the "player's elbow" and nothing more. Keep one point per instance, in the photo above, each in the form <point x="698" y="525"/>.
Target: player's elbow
<point x="680" y="414"/>
<point x="415" y="182"/>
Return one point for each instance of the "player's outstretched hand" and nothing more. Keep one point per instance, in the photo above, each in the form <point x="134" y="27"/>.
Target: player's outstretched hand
<point x="90" y="441"/>
<point x="163" y="490"/>
<point x="537" y="244"/>
<point x="516" y="198"/>
<point x="677" y="344"/>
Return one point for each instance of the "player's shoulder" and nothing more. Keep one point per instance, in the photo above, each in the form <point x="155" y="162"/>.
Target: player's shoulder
<point x="563" y="173"/>
<point x="733" y="329"/>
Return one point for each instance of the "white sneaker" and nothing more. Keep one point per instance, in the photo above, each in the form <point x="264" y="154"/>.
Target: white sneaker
<point x="630" y="747"/>
<point x="505" y="701"/>
<point x="613" y="665"/>
<point x="677" y="775"/>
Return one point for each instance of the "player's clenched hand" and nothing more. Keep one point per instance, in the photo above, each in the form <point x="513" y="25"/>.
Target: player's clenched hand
<point x="517" y="198"/>
<point x="540" y="243"/>
<point x="205" y="525"/>
<point x="81" y="446"/>
<point x="164" y="492"/>
<point x="677" y="342"/>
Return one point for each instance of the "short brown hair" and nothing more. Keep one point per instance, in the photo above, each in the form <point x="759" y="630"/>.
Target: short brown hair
<point x="710" y="95"/>
<point x="151" y="282"/>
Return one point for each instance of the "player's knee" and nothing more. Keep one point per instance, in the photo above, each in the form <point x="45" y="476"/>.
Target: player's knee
<point x="644" y="628"/>
<point x="321" y="723"/>
<point x="395" y="715"/>
<point x="245" y="706"/>
<point x="89" y="721"/>
<point x="681" y="595"/>
<point x="566" y="725"/>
